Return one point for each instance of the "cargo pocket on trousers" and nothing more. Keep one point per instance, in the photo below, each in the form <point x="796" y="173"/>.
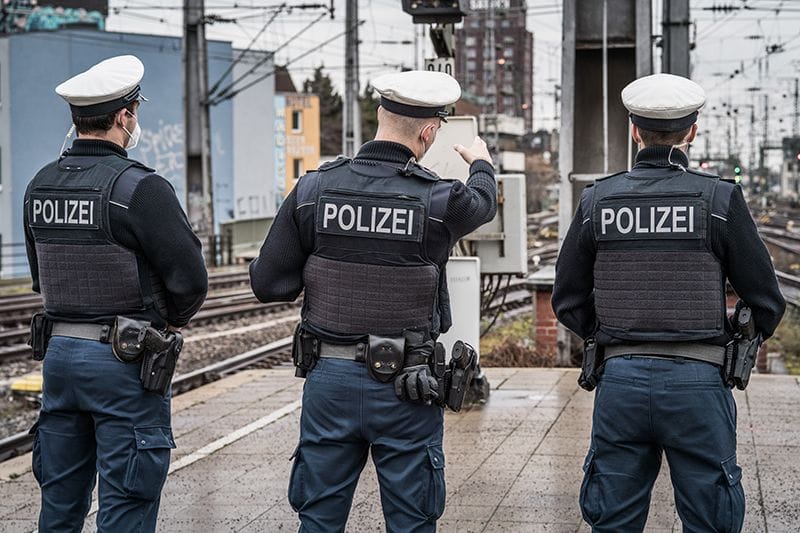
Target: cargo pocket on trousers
<point x="149" y="463"/>
<point x="589" y="499"/>
<point x="434" y="503"/>
<point x="730" y="498"/>
<point x="297" y="481"/>
<point x="36" y="455"/>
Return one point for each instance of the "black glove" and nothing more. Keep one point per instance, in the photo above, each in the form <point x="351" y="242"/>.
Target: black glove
<point x="416" y="384"/>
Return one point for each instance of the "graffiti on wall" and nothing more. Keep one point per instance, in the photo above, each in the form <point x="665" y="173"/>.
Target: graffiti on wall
<point x="162" y="149"/>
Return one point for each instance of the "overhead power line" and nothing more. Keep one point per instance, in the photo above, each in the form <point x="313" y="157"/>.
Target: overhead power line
<point x="230" y="94"/>
<point x="223" y="93"/>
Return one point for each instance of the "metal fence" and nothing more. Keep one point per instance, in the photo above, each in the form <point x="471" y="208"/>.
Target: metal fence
<point x="218" y="251"/>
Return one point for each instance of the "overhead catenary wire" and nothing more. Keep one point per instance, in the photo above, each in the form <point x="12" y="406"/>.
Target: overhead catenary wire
<point x="245" y="51"/>
<point x="230" y="88"/>
<point x="228" y="95"/>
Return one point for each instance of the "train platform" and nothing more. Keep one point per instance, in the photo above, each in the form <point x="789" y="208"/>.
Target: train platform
<point x="513" y="464"/>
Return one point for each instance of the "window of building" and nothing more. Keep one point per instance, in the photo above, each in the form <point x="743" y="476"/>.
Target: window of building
<point x="505" y="23"/>
<point x="508" y="101"/>
<point x="471" y="65"/>
<point x="297" y="168"/>
<point x="297" y="121"/>
<point x="471" y="41"/>
<point x="508" y="76"/>
<point x="472" y="53"/>
<point x="508" y="52"/>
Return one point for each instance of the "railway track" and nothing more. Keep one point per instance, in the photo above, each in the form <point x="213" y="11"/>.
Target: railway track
<point x="17" y="309"/>
<point x="12" y="341"/>
<point x="271" y="354"/>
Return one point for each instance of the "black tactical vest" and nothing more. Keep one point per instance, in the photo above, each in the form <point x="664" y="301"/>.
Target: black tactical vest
<point x="655" y="275"/>
<point x="83" y="272"/>
<point x="369" y="272"/>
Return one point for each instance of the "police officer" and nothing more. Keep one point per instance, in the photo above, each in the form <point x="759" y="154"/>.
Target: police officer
<point x="368" y="240"/>
<point x="106" y="236"/>
<point x="642" y="270"/>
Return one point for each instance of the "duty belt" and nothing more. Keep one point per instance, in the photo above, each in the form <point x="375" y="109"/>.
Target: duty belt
<point x="83" y="330"/>
<point x="689" y="350"/>
<point x="351" y="352"/>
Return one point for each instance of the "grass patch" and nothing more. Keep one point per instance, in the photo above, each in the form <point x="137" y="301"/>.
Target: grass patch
<point x="512" y="344"/>
<point x="787" y="341"/>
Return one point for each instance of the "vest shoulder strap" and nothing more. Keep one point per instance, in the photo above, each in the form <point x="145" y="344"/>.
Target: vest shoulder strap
<point x="701" y="173"/>
<point x="721" y="198"/>
<point x="604" y="178"/>
<point x="307" y="188"/>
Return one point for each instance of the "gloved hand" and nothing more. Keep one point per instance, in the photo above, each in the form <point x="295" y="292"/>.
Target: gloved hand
<point x="416" y="384"/>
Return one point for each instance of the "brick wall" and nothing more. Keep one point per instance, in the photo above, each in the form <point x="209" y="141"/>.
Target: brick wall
<point x="546" y="325"/>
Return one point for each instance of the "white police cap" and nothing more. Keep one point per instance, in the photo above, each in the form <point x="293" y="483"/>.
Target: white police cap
<point x="663" y="102"/>
<point x="106" y="87"/>
<point x="417" y="93"/>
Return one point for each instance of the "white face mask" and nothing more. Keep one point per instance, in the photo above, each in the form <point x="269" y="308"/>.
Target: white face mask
<point x="669" y="156"/>
<point x="66" y="138"/>
<point x="133" y="137"/>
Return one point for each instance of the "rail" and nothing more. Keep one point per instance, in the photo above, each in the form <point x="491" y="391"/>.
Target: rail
<point x="273" y="353"/>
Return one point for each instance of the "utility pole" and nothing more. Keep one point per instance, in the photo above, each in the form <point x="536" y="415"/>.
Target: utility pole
<point x="351" y="118"/>
<point x="199" y="193"/>
<point x="492" y="95"/>
<point x="675" y="32"/>
<point x="765" y="142"/>
<point x="796" y="122"/>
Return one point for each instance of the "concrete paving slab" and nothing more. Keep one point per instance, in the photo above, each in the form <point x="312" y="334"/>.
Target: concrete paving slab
<point x="512" y="465"/>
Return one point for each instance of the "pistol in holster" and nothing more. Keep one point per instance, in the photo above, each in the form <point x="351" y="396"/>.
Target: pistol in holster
<point x="41" y="328"/>
<point x="741" y="352"/>
<point x="305" y="351"/>
<point x="463" y="362"/>
<point x="136" y="340"/>
<point x="591" y="365"/>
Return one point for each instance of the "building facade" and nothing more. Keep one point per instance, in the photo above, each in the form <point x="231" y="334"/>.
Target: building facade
<point x="34" y="121"/>
<point x="499" y="73"/>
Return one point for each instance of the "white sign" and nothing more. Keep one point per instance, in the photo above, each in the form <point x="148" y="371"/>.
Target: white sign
<point x="464" y="283"/>
<point x="441" y="64"/>
<point x="441" y="158"/>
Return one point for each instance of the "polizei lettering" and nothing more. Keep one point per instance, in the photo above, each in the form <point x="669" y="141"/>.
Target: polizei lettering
<point x="369" y="217"/>
<point x="650" y="222"/>
<point x="63" y="212"/>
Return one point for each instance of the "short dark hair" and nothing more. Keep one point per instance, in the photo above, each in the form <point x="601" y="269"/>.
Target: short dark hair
<point x="97" y="123"/>
<point x="669" y="138"/>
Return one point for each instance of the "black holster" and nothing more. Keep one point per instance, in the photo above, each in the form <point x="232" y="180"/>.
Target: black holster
<point x="305" y="351"/>
<point x="136" y="340"/>
<point x="159" y="360"/>
<point x="591" y="365"/>
<point x="463" y="362"/>
<point x="41" y="328"/>
<point x="741" y="352"/>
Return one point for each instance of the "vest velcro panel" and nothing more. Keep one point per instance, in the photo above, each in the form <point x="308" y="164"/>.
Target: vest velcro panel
<point x="88" y="278"/>
<point x="349" y="297"/>
<point x="658" y="290"/>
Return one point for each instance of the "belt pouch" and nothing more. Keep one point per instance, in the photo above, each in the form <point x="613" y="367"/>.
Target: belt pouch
<point x="41" y="327"/>
<point x="128" y="339"/>
<point x="385" y="357"/>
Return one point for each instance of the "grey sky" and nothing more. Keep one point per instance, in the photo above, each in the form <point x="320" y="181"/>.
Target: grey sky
<point x="724" y="42"/>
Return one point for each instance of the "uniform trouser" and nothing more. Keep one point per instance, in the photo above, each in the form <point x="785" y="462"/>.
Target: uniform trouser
<point x="96" y="418"/>
<point x="345" y="415"/>
<point x="644" y="406"/>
